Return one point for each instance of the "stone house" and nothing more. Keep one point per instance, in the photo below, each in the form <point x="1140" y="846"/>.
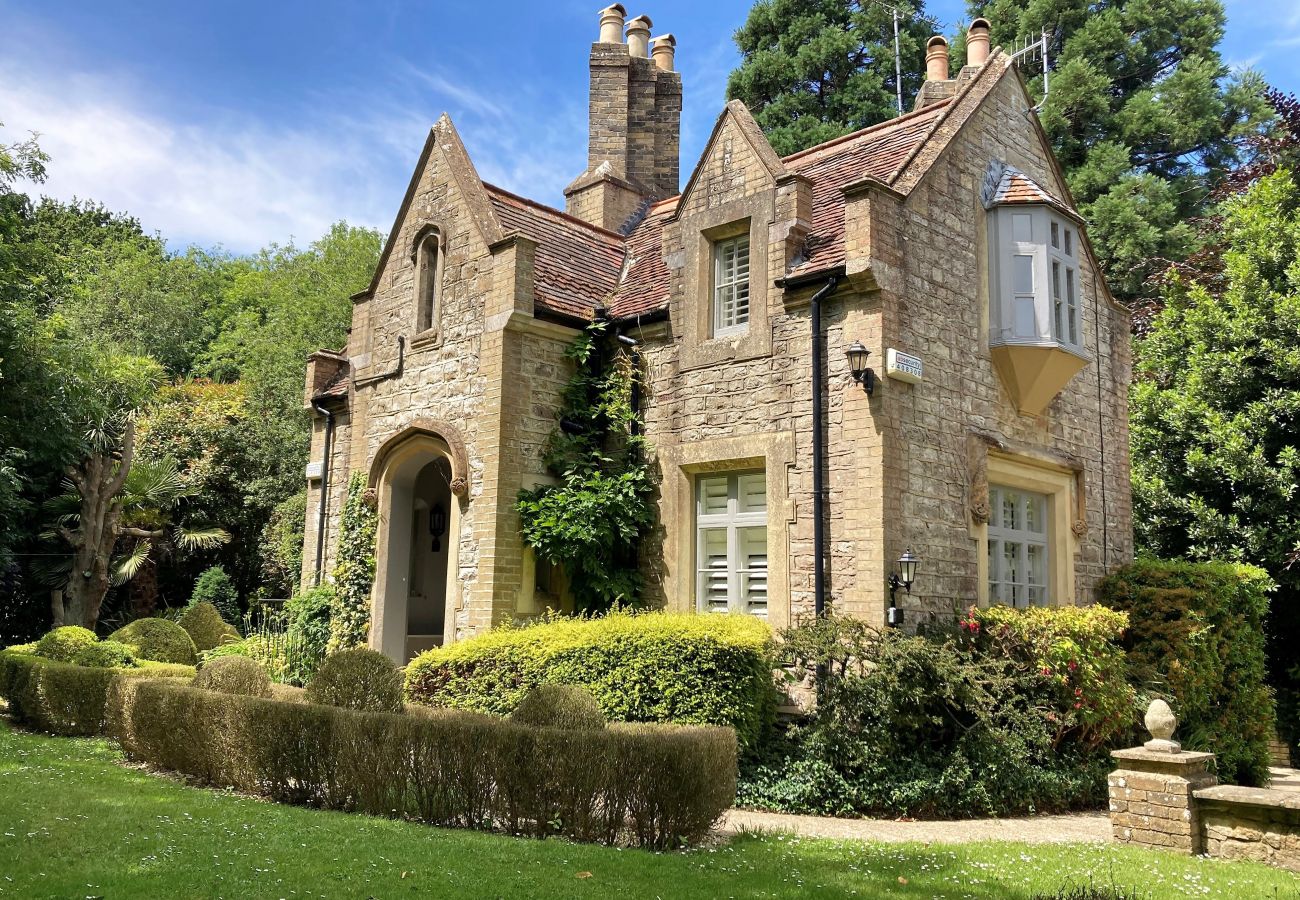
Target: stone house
<point x="993" y="441"/>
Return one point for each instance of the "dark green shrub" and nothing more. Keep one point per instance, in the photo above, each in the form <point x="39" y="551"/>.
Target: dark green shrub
<point x="216" y="587"/>
<point x="205" y="626"/>
<point x="924" y="727"/>
<point x="650" y="785"/>
<point x="647" y="667"/>
<point x="105" y="655"/>
<point x="559" y="706"/>
<point x="308" y="631"/>
<point x="159" y="640"/>
<point x="359" y="678"/>
<point x="62" y="644"/>
<point x="234" y="675"/>
<point x="1196" y="638"/>
<point x="64" y="698"/>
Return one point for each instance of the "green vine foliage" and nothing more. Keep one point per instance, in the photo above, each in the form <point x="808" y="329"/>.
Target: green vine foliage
<point x="354" y="573"/>
<point x="591" y="521"/>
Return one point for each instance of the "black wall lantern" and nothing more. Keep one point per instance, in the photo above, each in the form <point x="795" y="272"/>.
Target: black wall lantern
<point x="857" y="355"/>
<point x="903" y="578"/>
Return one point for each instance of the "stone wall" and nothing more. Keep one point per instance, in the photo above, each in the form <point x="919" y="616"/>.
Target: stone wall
<point x="930" y="256"/>
<point x="1251" y="823"/>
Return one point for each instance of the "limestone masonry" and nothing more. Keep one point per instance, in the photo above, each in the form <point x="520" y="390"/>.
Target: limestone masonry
<point x="949" y="234"/>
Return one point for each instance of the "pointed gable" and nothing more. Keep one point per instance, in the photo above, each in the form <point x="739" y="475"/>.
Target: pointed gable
<point x="737" y="161"/>
<point x="444" y="142"/>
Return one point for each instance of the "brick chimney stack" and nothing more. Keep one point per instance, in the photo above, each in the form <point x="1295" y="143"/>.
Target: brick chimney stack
<point x="635" y="123"/>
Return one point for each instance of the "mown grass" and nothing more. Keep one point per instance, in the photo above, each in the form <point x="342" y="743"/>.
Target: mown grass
<point x="74" y="822"/>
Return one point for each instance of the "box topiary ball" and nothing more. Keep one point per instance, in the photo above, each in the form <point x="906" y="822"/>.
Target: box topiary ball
<point x="158" y="640"/>
<point x="105" y="655"/>
<point x="62" y="644"/>
<point x="203" y="623"/>
<point x="559" y="706"/>
<point x="234" y="675"/>
<point x="357" y="679"/>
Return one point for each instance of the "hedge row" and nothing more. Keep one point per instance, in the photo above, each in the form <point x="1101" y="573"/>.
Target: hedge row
<point x="1196" y="638"/>
<point x="63" y="698"/>
<point x="648" y="785"/>
<point x="645" y="667"/>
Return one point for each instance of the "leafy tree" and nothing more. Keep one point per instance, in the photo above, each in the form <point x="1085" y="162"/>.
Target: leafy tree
<point x="1143" y="114"/>
<point x="1216" y="452"/>
<point x="214" y="586"/>
<point x="812" y="70"/>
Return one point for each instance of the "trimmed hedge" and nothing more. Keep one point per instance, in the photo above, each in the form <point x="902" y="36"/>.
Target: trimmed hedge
<point x="205" y="626"/>
<point x="234" y="675"/>
<point x="158" y="640"/>
<point x="642" y="667"/>
<point x="559" y="706"/>
<point x="61" y="644"/>
<point x="105" y="655"/>
<point x="359" y="678"/>
<point x="63" y="698"/>
<point x="1196" y="638"/>
<point x="652" y="786"/>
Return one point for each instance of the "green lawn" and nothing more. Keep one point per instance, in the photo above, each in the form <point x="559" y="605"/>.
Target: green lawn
<point x="76" y="823"/>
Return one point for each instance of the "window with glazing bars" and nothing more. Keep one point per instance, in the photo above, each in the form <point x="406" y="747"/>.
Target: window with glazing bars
<point x="731" y="543"/>
<point x="730" y="285"/>
<point x="1018" y="547"/>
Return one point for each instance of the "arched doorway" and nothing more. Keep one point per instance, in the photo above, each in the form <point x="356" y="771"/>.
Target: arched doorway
<point x="414" y="599"/>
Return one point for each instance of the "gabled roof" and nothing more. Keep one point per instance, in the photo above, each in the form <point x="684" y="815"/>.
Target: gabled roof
<point x="644" y="286"/>
<point x="1015" y="188"/>
<point x="577" y="264"/>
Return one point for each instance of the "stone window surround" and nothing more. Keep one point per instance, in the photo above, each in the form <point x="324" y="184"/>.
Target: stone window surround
<point x="1024" y="536"/>
<point x="720" y="240"/>
<point x="992" y="462"/>
<point x="774" y="453"/>
<point x="730" y="522"/>
<point x="699" y="230"/>
<point x="431" y="336"/>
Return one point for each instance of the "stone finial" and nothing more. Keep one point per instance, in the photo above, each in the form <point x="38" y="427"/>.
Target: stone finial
<point x="1161" y="722"/>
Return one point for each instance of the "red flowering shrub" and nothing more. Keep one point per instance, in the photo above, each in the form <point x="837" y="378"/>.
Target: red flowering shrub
<point x="1077" y="654"/>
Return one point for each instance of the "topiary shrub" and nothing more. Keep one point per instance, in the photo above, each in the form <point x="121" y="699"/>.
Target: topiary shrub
<point x="159" y="640"/>
<point x="105" y="655"/>
<point x="640" y="667"/>
<point x="62" y="643"/>
<point x="216" y="587"/>
<point x="1196" y="638"/>
<point x="359" y="678"/>
<point x="205" y="626"/>
<point x="559" y="706"/>
<point x="234" y="675"/>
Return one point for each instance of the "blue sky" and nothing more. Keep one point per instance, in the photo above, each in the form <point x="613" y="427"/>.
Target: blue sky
<point x="239" y="123"/>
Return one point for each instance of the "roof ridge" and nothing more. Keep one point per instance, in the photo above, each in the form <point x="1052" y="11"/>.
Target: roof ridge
<point x="870" y="129"/>
<point x="550" y="210"/>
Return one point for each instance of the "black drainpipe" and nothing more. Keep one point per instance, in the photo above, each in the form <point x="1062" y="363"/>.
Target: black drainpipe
<point x="819" y="450"/>
<point x="324" y="489"/>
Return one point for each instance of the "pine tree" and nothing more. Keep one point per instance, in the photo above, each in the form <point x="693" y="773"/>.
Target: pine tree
<point x="1145" y="117"/>
<point x="812" y="70"/>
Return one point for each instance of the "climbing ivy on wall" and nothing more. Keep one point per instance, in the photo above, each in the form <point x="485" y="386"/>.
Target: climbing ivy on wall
<point x="591" y="521"/>
<point x="354" y="572"/>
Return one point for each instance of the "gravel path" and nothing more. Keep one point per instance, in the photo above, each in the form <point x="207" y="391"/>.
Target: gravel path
<point x="1077" y="827"/>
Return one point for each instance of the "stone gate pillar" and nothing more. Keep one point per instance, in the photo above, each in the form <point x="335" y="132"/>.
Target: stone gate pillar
<point x="1151" y="802"/>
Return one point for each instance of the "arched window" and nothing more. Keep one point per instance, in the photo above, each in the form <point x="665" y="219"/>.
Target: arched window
<point x="427" y="288"/>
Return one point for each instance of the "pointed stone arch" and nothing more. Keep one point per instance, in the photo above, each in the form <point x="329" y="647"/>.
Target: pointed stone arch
<point x="445" y="432"/>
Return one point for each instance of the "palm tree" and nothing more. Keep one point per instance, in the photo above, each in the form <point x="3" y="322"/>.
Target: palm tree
<point x="116" y="514"/>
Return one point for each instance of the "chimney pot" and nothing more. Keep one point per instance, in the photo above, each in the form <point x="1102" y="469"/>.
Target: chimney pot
<point x="662" y="51"/>
<point x="977" y="43"/>
<point x="611" y="24"/>
<point x="638" y="36"/>
<point x="936" y="59"/>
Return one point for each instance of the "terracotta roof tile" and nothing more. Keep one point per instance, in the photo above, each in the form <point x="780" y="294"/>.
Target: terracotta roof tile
<point x="338" y="386"/>
<point x="645" y="283"/>
<point x="1015" y="187"/>
<point x="876" y="152"/>
<point x="577" y="263"/>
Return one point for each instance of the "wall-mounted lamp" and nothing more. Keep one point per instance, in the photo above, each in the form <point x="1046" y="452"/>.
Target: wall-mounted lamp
<point x="857" y="355"/>
<point x="903" y="578"/>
